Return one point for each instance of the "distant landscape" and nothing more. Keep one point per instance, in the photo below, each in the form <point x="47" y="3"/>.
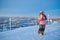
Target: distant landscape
<point x="55" y="18"/>
<point x="10" y="23"/>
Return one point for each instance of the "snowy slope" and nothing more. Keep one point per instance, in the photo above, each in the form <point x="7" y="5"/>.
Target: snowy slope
<point x="30" y="33"/>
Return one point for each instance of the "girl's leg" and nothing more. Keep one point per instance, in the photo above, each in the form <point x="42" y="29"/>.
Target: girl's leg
<point x="39" y="30"/>
<point x="43" y="29"/>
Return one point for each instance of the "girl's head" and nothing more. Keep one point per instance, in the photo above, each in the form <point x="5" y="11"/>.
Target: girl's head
<point x="41" y="13"/>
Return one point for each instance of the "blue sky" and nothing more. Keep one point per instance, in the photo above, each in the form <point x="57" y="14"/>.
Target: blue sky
<point x="27" y="7"/>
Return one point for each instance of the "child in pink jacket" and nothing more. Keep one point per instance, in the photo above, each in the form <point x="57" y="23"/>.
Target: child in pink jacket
<point x="42" y="21"/>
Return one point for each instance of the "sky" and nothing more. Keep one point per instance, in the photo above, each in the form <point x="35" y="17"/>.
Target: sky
<point x="28" y="7"/>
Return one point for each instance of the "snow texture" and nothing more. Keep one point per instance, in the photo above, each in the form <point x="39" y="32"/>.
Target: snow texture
<point x="52" y="32"/>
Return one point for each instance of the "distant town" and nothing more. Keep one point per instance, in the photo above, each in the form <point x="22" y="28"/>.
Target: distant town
<point x="55" y="18"/>
<point x="10" y="23"/>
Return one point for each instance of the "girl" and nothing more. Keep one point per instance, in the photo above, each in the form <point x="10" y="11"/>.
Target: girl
<point x="41" y="20"/>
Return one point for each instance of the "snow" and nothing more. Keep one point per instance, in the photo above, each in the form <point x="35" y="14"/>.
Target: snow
<point x="30" y="33"/>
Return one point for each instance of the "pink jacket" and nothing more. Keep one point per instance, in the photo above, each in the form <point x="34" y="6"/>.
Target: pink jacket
<point x="42" y="19"/>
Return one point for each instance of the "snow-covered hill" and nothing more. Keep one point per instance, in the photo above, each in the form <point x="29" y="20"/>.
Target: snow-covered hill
<point x="52" y="32"/>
